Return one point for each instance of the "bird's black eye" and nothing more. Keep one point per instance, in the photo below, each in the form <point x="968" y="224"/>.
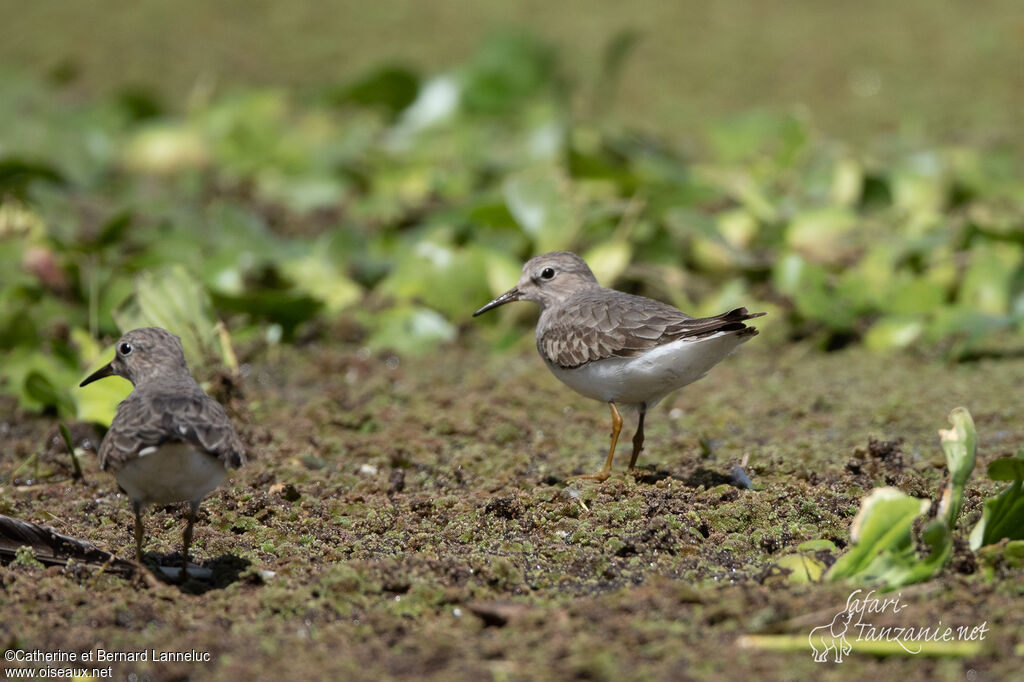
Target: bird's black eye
<point x="125" y="348"/>
<point x="547" y="273"/>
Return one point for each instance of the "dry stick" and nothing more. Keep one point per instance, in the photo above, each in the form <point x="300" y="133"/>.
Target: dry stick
<point x="71" y="450"/>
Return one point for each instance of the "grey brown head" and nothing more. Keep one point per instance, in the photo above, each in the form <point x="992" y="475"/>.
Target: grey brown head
<point x="547" y="280"/>
<point x="143" y="354"/>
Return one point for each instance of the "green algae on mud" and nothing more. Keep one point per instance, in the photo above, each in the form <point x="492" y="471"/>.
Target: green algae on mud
<point x="419" y="521"/>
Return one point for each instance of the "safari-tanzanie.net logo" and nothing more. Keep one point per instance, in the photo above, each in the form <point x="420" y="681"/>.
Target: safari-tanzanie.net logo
<point x="856" y="623"/>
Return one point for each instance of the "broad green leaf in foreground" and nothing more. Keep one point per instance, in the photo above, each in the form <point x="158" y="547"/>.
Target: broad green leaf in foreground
<point x="883" y="550"/>
<point x="1003" y="515"/>
<point x="881" y="536"/>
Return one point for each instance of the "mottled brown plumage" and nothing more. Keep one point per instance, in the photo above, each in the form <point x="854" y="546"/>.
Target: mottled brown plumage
<point x="169" y="441"/>
<point x="167" y="412"/>
<point x="594" y="324"/>
<point x="616" y="347"/>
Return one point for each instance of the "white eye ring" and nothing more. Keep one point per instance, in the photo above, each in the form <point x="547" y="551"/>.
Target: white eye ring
<point x="125" y="348"/>
<point x="547" y="273"/>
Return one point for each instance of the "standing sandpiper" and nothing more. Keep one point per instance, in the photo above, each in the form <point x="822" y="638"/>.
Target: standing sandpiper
<point x="616" y="347"/>
<point x="169" y="441"/>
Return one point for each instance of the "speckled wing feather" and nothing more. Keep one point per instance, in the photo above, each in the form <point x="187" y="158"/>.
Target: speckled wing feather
<point x="150" y="419"/>
<point x="604" y="323"/>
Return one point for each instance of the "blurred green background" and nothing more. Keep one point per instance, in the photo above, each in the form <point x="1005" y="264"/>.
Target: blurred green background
<point x="862" y="68"/>
<point x="255" y="173"/>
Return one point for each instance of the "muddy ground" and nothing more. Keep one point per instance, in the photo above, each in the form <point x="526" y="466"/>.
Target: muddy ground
<point x="419" y="520"/>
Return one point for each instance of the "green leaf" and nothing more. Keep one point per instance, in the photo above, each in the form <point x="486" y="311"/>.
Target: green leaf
<point x="392" y="88"/>
<point x="317" y="274"/>
<point x="881" y="536"/>
<point x="987" y="282"/>
<point x="1009" y="554"/>
<point x="895" y="332"/>
<point x="410" y="330"/>
<point x="847" y="182"/>
<point x="97" y="403"/>
<point x="440" y="275"/>
<point x="816" y="546"/>
<point x="173" y="299"/>
<point x="1002" y="516"/>
<point x="502" y="272"/>
<point x="165" y="149"/>
<point x="16" y="174"/>
<point x="884" y="551"/>
<point x="41" y="380"/>
<point x="40" y="389"/>
<point x="822" y="235"/>
<point x="539" y="199"/>
<point x="511" y="67"/>
<point x="609" y="260"/>
<point x="1007" y="468"/>
<point x="807" y="284"/>
<point x="802" y="568"/>
<point x="779" y="136"/>
<point x="285" y="307"/>
<point x="960" y="444"/>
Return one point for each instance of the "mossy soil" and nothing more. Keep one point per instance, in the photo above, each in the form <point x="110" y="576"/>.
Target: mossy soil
<point x="420" y="521"/>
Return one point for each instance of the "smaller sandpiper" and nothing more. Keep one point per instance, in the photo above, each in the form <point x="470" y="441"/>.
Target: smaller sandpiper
<point x="169" y="441"/>
<point x="616" y="347"/>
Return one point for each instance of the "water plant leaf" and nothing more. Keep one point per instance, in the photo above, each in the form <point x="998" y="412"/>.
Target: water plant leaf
<point x="16" y="174"/>
<point x="172" y="298"/>
<point x="894" y="332"/>
<point x="802" y="568"/>
<point x="410" y="330"/>
<point x="1002" y="516"/>
<point x="39" y="388"/>
<point x="822" y="235"/>
<point x="97" y="402"/>
<point x="392" y="88"/>
<point x="881" y="536"/>
<point x="609" y="260"/>
<point x="539" y="200"/>
<point x="884" y="550"/>
<point x="316" y="274"/>
<point x="960" y="444"/>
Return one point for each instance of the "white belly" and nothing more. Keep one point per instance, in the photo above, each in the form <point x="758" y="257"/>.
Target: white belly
<point x="174" y="472"/>
<point x="648" y="378"/>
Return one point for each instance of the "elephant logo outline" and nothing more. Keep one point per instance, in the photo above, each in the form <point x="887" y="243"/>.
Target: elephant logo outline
<point x="831" y="637"/>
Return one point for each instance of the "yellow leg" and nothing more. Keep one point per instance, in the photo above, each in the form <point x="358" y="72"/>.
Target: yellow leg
<point x="604" y="473"/>
<point x="638" y="439"/>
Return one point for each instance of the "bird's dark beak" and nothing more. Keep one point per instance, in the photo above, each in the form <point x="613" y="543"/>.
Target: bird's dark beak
<point x="106" y="370"/>
<point x="507" y="297"/>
